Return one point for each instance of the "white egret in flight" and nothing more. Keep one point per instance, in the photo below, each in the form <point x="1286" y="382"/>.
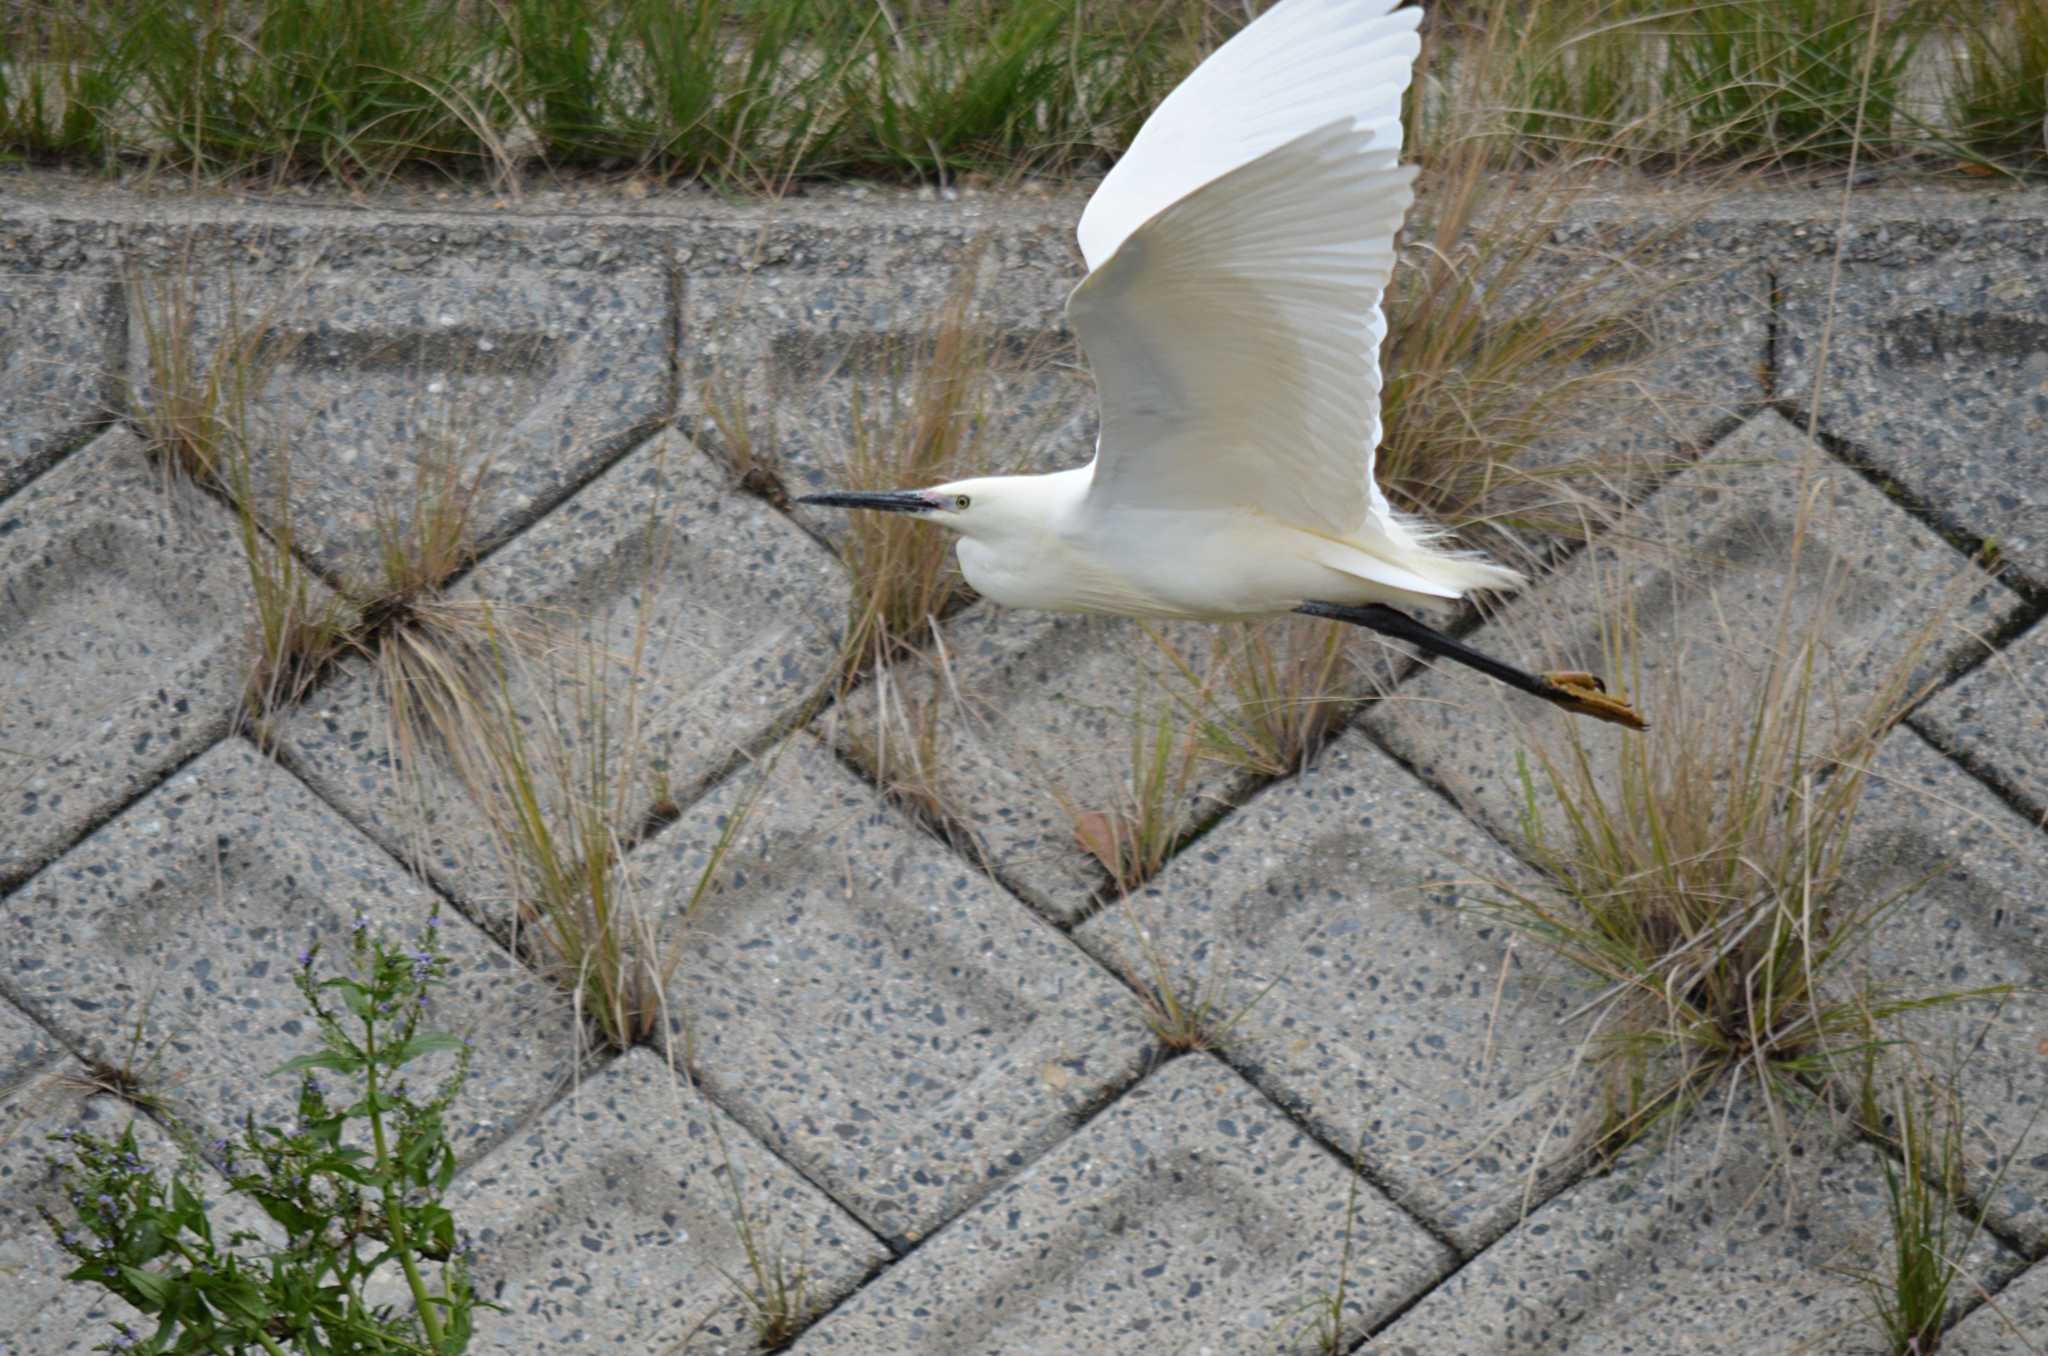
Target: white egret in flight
<point x="1231" y="314"/>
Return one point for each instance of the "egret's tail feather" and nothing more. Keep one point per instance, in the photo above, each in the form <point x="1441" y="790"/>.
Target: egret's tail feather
<point x="1397" y="556"/>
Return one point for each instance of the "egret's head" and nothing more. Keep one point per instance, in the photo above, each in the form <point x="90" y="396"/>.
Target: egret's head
<point x="973" y="508"/>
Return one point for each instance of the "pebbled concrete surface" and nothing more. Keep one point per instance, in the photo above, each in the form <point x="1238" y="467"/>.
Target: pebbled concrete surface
<point x="914" y="1036"/>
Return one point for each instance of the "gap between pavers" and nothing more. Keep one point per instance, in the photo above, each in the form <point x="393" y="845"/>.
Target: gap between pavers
<point x="1335" y="925"/>
<point x="743" y="614"/>
<point x="1967" y="876"/>
<point x="368" y="387"/>
<point x="1996" y="721"/>
<point x="613" y="1222"/>
<point x="60" y="367"/>
<point x="1713" y="1238"/>
<point x="877" y="1011"/>
<point x="1700" y="568"/>
<point x="124" y="612"/>
<point x="169" y="938"/>
<point x="1191" y="1215"/>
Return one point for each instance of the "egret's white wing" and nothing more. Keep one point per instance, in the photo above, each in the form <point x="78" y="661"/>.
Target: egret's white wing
<point x="1301" y="65"/>
<point x="1234" y="337"/>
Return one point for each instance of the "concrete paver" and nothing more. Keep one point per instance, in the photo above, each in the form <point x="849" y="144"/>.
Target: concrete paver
<point x="1996" y="720"/>
<point x="1967" y="875"/>
<point x="1330" y="923"/>
<point x="123" y="606"/>
<point x="1719" y="1239"/>
<point x="369" y="386"/>
<point x="1939" y="377"/>
<point x="611" y="1223"/>
<point x="168" y="941"/>
<point x="705" y="620"/>
<point x="881" y="1015"/>
<point x="60" y="367"/>
<point x="1189" y="1216"/>
<point x="1702" y="571"/>
<point x="2008" y="1324"/>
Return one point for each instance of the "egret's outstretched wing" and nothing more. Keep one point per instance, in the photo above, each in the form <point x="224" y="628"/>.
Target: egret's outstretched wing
<point x="1234" y="337"/>
<point x="1302" y="65"/>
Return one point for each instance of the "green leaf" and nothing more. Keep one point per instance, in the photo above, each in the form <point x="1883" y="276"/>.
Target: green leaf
<point x="329" y="1059"/>
<point x="147" y="1284"/>
<point x="425" y="1043"/>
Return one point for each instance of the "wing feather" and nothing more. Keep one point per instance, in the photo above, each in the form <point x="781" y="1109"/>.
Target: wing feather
<point x="1234" y="337"/>
<point x="1301" y="65"/>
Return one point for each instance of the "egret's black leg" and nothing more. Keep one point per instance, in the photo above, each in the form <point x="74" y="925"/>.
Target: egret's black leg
<point x="1580" y="692"/>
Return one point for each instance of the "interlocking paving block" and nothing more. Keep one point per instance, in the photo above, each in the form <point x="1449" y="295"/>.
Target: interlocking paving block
<point x="1032" y="721"/>
<point x="41" y="1313"/>
<point x="1939" y="377"/>
<point x="742" y="617"/>
<point x="169" y="939"/>
<point x="123" y="611"/>
<point x="1190" y="1216"/>
<point x="1704" y="568"/>
<point x="612" y="1223"/>
<point x="1716" y="1238"/>
<point x="883" y="1016"/>
<point x="1996" y="719"/>
<point x="369" y="385"/>
<point x="799" y="364"/>
<point x="1328" y="924"/>
<point x="2010" y="1323"/>
<point x="60" y="367"/>
<point x="1967" y="874"/>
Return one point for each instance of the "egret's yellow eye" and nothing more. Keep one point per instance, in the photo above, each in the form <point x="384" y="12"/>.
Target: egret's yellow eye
<point x="960" y="501"/>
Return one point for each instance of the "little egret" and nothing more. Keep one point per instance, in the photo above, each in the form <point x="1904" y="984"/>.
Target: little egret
<point x="1231" y="315"/>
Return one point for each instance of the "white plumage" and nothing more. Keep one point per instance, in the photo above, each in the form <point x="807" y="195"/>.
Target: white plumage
<point x="1231" y="315"/>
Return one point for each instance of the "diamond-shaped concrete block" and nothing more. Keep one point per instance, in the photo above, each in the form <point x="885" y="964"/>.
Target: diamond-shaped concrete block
<point x="1996" y="720"/>
<point x="1704" y="569"/>
<point x="1329" y="925"/>
<point x="1967" y="874"/>
<point x="1939" y="377"/>
<point x="796" y="361"/>
<point x="2010" y="1323"/>
<point x="368" y="385"/>
<point x="169" y="939"/>
<point x="884" y="1017"/>
<point x="1032" y="721"/>
<point x="1716" y="1239"/>
<point x="123" y="612"/>
<point x="1190" y="1216"/>
<point x="60" y="367"/>
<point x="705" y="619"/>
<point x="615" y="1223"/>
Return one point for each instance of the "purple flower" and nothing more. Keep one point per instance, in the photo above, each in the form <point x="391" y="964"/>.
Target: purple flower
<point x="305" y="959"/>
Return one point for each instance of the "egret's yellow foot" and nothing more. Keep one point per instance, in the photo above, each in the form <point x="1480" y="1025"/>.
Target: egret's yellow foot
<point x="1585" y="694"/>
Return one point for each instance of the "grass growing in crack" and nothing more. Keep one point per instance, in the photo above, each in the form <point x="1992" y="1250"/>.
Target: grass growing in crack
<point x="1923" y="1123"/>
<point x="1997" y="92"/>
<point x="1697" y="868"/>
<point x="1270" y="693"/>
<point x="64" y="80"/>
<point x="1132" y="838"/>
<point x="196" y="420"/>
<point x="925" y="421"/>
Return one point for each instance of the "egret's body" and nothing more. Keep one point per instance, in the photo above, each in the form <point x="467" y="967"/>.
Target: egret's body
<point x="1238" y="254"/>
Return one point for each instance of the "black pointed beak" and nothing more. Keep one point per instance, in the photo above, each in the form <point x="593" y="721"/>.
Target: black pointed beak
<point x="883" y="501"/>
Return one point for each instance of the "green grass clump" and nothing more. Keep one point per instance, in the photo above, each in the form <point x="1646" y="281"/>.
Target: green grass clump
<point x="1997" y="94"/>
<point x="1777" y="81"/>
<point x="298" y="87"/>
<point x="62" y="81"/>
